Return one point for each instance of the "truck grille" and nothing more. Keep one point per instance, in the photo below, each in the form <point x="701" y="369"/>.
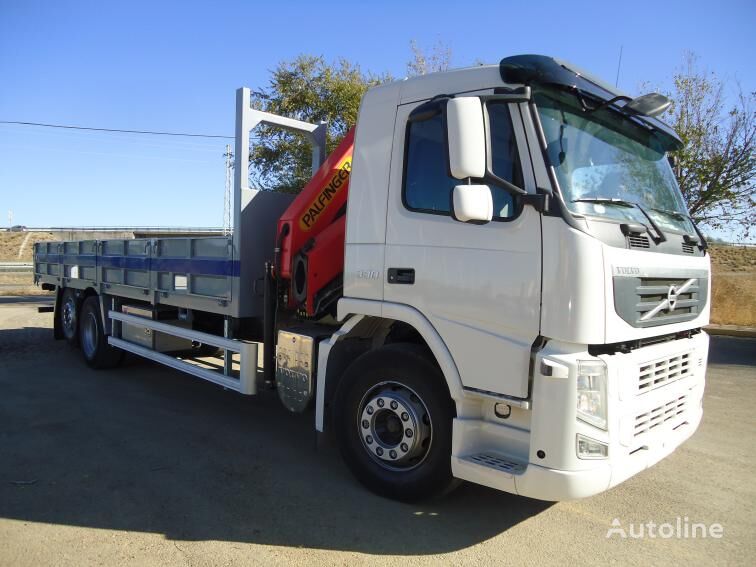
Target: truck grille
<point x="636" y="299"/>
<point x="657" y="373"/>
<point x="645" y="422"/>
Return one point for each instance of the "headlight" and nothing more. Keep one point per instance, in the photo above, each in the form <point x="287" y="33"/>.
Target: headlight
<point x="591" y="392"/>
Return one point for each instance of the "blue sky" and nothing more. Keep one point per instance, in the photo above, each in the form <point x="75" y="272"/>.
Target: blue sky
<point x="174" y="66"/>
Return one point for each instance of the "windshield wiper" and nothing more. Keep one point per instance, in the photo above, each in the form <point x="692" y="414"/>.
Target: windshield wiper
<point x="673" y="214"/>
<point x="660" y="236"/>
<point x="604" y="201"/>
<point x="700" y="242"/>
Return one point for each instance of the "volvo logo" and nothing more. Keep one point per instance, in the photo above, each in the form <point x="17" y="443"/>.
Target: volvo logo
<point x="672" y="297"/>
<point x="670" y="302"/>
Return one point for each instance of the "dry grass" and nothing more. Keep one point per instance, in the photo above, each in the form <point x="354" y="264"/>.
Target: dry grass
<point x="19" y="247"/>
<point x="734" y="299"/>
<point x="13" y="249"/>
<point x="733" y="259"/>
<point x="19" y="284"/>
<point x="733" y="285"/>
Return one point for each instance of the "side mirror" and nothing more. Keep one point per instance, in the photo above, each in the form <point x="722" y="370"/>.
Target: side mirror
<point x="472" y="203"/>
<point x="466" y="134"/>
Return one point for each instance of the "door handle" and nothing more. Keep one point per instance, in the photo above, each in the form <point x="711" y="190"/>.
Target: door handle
<point x="401" y="276"/>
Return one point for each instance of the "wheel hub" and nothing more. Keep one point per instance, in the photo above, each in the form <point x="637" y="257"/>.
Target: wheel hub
<point x="395" y="426"/>
<point x="69" y="312"/>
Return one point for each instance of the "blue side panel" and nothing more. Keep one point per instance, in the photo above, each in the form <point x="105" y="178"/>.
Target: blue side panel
<point x="196" y="266"/>
<point x="152" y="270"/>
<point x="178" y="265"/>
<point x="128" y="262"/>
<point x="88" y="259"/>
<point x="204" y="266"/>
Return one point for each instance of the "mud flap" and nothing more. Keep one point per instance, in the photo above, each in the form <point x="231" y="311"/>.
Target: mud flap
<point x="57" y="331"/>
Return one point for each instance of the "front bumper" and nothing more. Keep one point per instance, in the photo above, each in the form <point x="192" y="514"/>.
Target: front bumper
<point x="551" y="484"/>
<point x="644" y="427"/>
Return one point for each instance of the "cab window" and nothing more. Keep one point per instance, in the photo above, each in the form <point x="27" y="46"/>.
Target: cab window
<point x="427" y="184"/>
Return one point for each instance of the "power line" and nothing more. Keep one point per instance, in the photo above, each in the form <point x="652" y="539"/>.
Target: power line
<point x="151" y="132"/>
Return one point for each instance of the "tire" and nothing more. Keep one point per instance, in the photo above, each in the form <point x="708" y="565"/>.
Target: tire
<point x="92" y="339"/>
<point x="393" y="421"/>
<point x="68" y="315"/>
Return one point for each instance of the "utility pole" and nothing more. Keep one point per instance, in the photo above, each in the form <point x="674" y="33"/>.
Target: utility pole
<point x="227" y="213"/>
<point x="10" y="218"/>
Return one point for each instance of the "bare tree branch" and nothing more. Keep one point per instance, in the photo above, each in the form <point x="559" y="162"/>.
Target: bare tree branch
<point x="422" y="63"/>
<point x="716" y="167"/>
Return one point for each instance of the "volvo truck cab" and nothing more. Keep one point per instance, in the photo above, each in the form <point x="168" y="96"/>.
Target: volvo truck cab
<point x="525" y="219"/>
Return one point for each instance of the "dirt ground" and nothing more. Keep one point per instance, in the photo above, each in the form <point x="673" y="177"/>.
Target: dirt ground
<point x="145" y="466"/>
<point x="20" y="283"/>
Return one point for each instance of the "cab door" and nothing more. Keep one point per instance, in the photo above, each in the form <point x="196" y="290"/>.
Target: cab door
<point x="478" y="284"/>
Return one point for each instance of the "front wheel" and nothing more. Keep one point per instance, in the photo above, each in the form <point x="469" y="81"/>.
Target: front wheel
<point x="393" y="418"/>
<point x="92" y="338"/>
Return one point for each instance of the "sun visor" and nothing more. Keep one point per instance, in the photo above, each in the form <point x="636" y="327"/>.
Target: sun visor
<point x="534" y="70"/>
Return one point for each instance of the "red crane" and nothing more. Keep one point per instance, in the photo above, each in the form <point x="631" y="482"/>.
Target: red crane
<point x="311" y="236"/>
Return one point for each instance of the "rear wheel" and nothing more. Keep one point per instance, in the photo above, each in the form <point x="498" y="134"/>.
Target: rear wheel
<point x="92" y="338"/>
<point x="393" y="418"/>
<point x="69" y="316"/>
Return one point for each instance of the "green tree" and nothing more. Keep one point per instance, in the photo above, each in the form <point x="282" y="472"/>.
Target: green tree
<point x="310" y="89"/>
<point x="716" y="166"/>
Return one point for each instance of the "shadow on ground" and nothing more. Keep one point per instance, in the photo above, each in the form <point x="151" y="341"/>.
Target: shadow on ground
<point x="143" y="448"/>
<point x="28" y="299"/>
<point x="731" y="350"/>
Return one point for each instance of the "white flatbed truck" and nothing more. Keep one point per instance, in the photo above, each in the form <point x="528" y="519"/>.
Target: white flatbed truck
<point x="494" y="278"/>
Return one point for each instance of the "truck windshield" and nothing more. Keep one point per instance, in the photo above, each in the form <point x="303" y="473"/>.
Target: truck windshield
<point x="605" y="160"/>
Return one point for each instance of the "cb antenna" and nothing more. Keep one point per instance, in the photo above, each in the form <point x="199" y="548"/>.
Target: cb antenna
<point x="619" y="63"/>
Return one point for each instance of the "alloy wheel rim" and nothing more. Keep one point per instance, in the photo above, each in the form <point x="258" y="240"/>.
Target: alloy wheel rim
<point x="69" y="315"/>
<point x="395" y="426"/>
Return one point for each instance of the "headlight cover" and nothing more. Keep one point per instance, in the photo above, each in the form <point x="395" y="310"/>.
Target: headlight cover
<point x="588" y="448"/>
<point x="591" y="392"/>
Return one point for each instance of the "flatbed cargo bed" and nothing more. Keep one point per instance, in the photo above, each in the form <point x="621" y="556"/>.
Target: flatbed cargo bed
<point x="216" y="274"/>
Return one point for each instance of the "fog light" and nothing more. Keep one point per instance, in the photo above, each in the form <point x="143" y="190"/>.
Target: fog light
<point x="588" y="448"/>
